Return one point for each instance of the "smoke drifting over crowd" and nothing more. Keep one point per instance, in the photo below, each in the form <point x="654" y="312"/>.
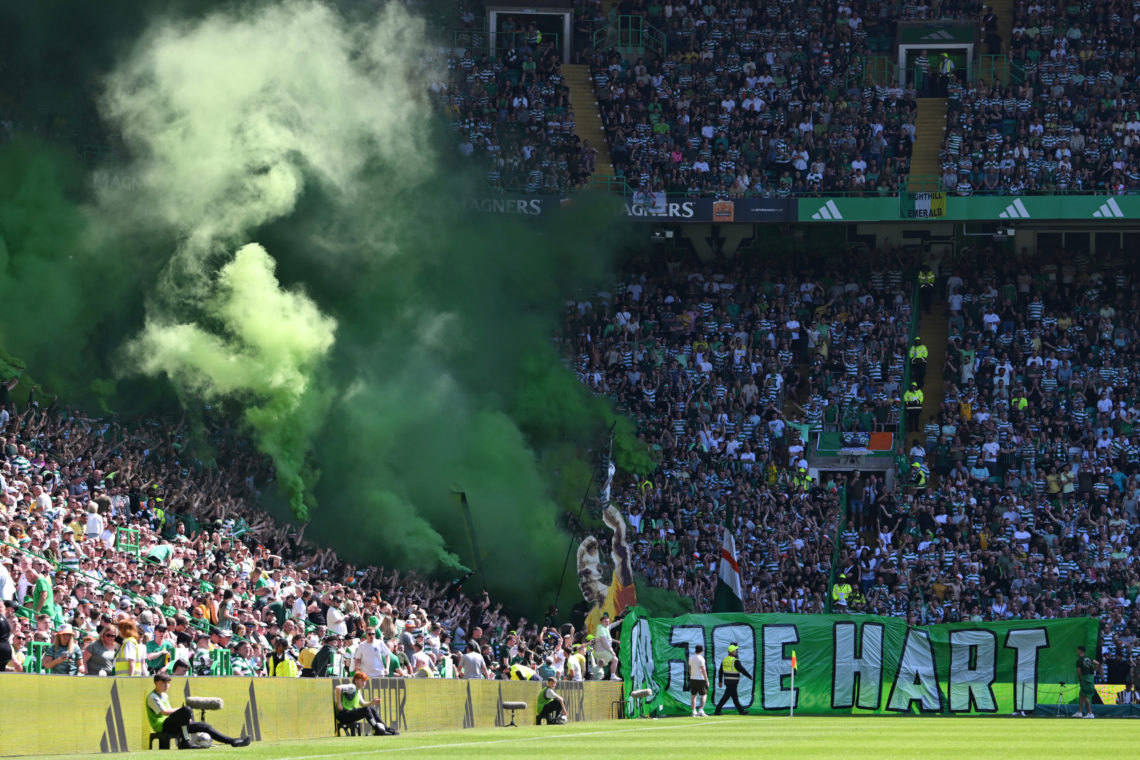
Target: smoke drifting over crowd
<point x="285" y="239"/>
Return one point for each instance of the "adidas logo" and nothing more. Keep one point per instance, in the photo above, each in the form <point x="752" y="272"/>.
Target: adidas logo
<point x="469" y="711"/>
<point x="1015" y="210"/>
<point x="1108" y="210"/>
<point x="114" y="737"/>
<point x="828" y="211"/>
<point x="941" y="34"/>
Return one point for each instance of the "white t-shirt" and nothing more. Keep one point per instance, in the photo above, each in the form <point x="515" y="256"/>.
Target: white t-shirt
<point x="371" y="658"/>
<point x="335" y="621"/>
<point x="697" y="667"/>
<point x="94" y="527"/>
<point x="7" y="585"/>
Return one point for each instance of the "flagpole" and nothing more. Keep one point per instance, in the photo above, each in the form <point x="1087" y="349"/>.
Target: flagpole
<point x="792" y="701"/>
<point x="575" y="533"/>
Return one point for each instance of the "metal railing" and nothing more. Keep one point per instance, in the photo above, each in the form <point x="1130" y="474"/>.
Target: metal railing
<point x="630" y="34"/>
<point x="990" y="68"/>
<point x="880" y="70"/>
<point x="921" y="183"/>
<point x="477" y="42"/>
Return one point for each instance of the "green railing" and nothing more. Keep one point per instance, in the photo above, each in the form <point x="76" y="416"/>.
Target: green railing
<point x="616" y="185"/>
<point x="477" y="42"/>
<point x="989" y="68"/>
<point x="921" y="183"/>
<point x="630" y="34"/>
<point x="127" y="540"/>
<point x="1016" y="73"/>
<point x="34" y="663"/>
<point x="221" y="663"/>
<point x="880" y="70"/>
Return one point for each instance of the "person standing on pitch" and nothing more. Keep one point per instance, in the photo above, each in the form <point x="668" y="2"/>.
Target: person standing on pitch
<point x="1086" y="672"/>
<point x="731" y="669"/>
<point x="698" y="681"/>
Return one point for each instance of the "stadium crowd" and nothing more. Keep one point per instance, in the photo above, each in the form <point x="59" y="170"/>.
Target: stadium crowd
<point x="119" y="557"/>
<point x="727" y="372"/>
<point x="510" y="109"/>
<point x="753" y="99"/>
<point x="1070" y="120"/>
<point x="1030" y="509"/>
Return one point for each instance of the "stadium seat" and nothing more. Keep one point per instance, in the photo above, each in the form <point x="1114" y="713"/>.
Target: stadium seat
<point x="347" y="729"/>
<point x="163" y="739"/>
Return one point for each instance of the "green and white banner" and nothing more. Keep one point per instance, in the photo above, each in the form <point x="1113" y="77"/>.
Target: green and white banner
<point x="858" y="664"/>
<point x="1094" y="209"/>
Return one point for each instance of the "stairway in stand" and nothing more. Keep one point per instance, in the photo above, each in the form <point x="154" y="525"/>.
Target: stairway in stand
<point x="1004" y="11"/>
<point x="587" y="119"/>
<point x="934" y="329"/>
<point x="929" y="128"/>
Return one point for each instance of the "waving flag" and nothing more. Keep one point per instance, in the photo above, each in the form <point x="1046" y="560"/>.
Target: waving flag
<point x="728" y="596"/>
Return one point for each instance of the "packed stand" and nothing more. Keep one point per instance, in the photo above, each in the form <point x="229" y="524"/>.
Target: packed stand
<point x="1031" y="511"/>
<point x="1070" y="120"/>
<point x="727" y="372"/>
<point x="117" y="557"/>
<point x="510" y="110"/>
<point x="757" y="100"/>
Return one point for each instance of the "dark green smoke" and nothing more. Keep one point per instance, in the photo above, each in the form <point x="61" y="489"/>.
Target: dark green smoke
<point x="304" y="261"/>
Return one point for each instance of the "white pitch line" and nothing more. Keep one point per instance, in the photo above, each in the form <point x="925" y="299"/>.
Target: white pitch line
<point x="679" y="724"/>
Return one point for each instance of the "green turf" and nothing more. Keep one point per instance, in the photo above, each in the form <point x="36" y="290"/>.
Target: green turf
<point x="880" y="738"/>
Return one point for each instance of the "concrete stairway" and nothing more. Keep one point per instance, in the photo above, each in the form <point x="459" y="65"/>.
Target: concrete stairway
<point x="587" y="119"/>
<point x="1004" y="11"/>
<point x="929" y="125"/>
<point x="934" y="329"/>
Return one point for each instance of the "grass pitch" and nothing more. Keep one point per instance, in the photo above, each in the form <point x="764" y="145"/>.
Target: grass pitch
<point x="761" y="736"/>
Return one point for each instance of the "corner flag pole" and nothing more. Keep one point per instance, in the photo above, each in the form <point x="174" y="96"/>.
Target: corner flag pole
<point x="792" y="700"/>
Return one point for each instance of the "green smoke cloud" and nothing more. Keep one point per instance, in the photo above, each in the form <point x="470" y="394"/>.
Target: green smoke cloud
<point x="228" y="122"/>
<point x="263" y="348"/>
<point x="293" y="214"/>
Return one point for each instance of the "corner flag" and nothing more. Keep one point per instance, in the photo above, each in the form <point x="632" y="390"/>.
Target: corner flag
<point x="728" y="596"/>
<point x="795" y="665"/>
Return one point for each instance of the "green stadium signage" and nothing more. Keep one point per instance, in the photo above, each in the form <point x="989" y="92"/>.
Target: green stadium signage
<point x="859" y="663"/>
<point x="1094" y="209"/>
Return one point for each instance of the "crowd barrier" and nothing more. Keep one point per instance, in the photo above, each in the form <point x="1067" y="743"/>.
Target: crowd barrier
<point x="54" y="715"/>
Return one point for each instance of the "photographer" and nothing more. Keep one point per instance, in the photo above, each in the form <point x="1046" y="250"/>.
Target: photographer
<point x="180" y="723"/>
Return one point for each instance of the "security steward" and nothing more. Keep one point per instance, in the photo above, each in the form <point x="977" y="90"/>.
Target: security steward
<point x="918" y="474"/>
<point x="926" y="288"/>
<point x="945" y="74"/>
<point x="841" y="593"/>
<point x="913" y="400"/>
<point x="731" y="669"/>
<point x="918" y="356"/>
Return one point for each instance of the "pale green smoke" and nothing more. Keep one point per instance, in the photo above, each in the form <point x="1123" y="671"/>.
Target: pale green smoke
<point x="263" y="348"/>
<point x="228" y="120"/>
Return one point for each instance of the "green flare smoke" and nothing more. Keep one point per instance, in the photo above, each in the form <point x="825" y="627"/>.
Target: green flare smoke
<point x="288" y="233"/>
